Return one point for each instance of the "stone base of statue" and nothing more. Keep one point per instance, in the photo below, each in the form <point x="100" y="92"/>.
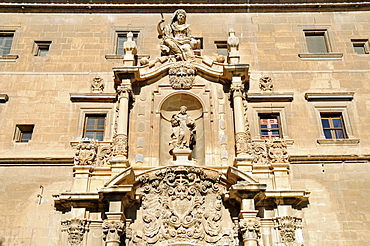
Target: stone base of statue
<point x="182" y="156"/>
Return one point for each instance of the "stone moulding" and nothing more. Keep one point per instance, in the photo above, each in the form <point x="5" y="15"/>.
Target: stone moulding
<point x="93" y="97"/>
<point x="269" y="96"/>
<point x="237" y="6"/>
<point x="330" y="96"/>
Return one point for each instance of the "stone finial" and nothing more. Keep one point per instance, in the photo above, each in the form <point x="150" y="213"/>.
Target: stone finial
<point x="97" y="85"/>
<point x="130" y="45"/>
<point x="233" y="48"/>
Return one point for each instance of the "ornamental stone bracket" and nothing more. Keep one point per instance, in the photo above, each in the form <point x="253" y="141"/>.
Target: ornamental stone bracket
<point x="76" y="229"/>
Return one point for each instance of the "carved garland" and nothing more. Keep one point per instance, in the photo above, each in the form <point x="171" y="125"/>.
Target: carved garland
<point x="182" y="204"/>
<point x="182" y="75"/>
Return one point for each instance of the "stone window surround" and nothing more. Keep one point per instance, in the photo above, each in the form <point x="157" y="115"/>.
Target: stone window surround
<point x="337" y="107"/>
<point x="306" y="56"/>
<point x="363" y="43"/>
<point x="38" y="45"/>
<point x="93" y="109"/>
<point x="15" y="31"/>
<point x="115" y="32"/>
<point x="20" y="129"/>
<point x="267" y="108"/>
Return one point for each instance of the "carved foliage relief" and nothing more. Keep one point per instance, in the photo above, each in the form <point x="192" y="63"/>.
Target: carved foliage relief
<point x="182" y="204"/>
<point x="287" y="226"/>
<point x="182" y="75"/>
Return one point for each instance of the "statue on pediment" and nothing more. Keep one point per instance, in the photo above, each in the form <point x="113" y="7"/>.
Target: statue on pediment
<point x="177" y="39"/>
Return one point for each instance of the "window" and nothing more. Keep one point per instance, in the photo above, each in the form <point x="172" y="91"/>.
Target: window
<point x="360" y="46"/>
<point x="269" y="126"/>
<point x="221" y="48"/>
<point x="23" y="133"/>
<point x="41" y="48"/>
<point x="6" y="39"/>
<point x="316" y="41"/>
<point x="121" y="38"/>
<point x="332" y="125"/>
<point x="94" y="126"/>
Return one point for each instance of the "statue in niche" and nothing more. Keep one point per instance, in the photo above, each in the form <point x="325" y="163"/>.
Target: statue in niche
<point x="183" y="130"/>
<point x="176" y="37"/>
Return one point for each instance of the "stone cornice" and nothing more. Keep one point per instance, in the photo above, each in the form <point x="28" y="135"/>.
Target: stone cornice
<point x="202" y="6"/>
<point x="30" y="161"/>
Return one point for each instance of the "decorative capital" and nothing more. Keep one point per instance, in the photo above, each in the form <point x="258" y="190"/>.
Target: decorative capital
<point x="112" y="230"/>
<point x="86" y="151"/>
<point x="182" y="75"/>
<point x="266" y="83"/>
<point x="124" y="91"/>
<point x="97" y="85"/>
<point x="250" y="228"/>
<point x="76" y="229"/>
<point x="237" y="89"/>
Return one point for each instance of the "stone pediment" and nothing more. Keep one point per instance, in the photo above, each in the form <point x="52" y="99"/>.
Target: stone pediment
<point x="142" y="75"/>
<point x="230" y="177"/>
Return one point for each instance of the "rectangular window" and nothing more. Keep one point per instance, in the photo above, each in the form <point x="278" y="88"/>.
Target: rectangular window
<point x="221" y="48"/>
<point x="23" y="133"/>
<point x="121" y="38"/>
<point x="42" y="48"/>
<point x="316" y="41"/>
<point x="94" y="126"/>
<point x="270" y="126"/>
<point x="6" y="39"/>
<point x="332" y="125"/>
<point x="360" y="46"/>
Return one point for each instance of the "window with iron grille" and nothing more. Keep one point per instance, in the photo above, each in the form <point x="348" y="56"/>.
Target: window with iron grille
<point x="269" y="126"/>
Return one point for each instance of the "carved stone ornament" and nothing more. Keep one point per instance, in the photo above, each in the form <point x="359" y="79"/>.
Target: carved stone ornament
<point x="266" y="83"/>
<point x="250" y="229"/>
<point x="287" y="226"/>
<point x="277" y="150"/>
<point x="124" y="91"/>
<point x="120" y="145"/>
<point x="97" y="85"/>
<point x="112" y="231"/>
<point x="86" y="152"/>
<point x="270" y="151"/>
<point x="182" y="204"/>
<point x="241" y="143"/>
<point x="182" y="75"/>
<point x="75" y="229"/>
<point x="105" y="154"/>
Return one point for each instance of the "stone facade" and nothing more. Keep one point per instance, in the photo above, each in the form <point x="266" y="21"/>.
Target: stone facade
<point x="220" y="181"/>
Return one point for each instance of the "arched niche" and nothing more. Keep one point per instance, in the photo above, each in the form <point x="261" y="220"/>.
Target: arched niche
<point x="170" y="106"/>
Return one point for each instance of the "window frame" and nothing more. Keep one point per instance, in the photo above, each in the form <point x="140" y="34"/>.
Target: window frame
<point x="334" y="108"/>
<point x="319" y="32"/>
<point x="41" y="44"/>
<point x="106" y="110"/>
<point x="268" y="108"/>
<point x="270" y="116"/>
<point x="332" y="128"/>
<point x="361" y="43"/>
<point x="94" y="130"/>
<point x="221" y="45"/>
<point x="14" y="31"/>
<point x="20" y="130"/>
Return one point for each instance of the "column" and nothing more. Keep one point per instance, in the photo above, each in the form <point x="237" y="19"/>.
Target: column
<point x="114" y="225"/>
<point x="248" y="223"/>
<point x="120" y="138"/>
<point x="242" y="136"/>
